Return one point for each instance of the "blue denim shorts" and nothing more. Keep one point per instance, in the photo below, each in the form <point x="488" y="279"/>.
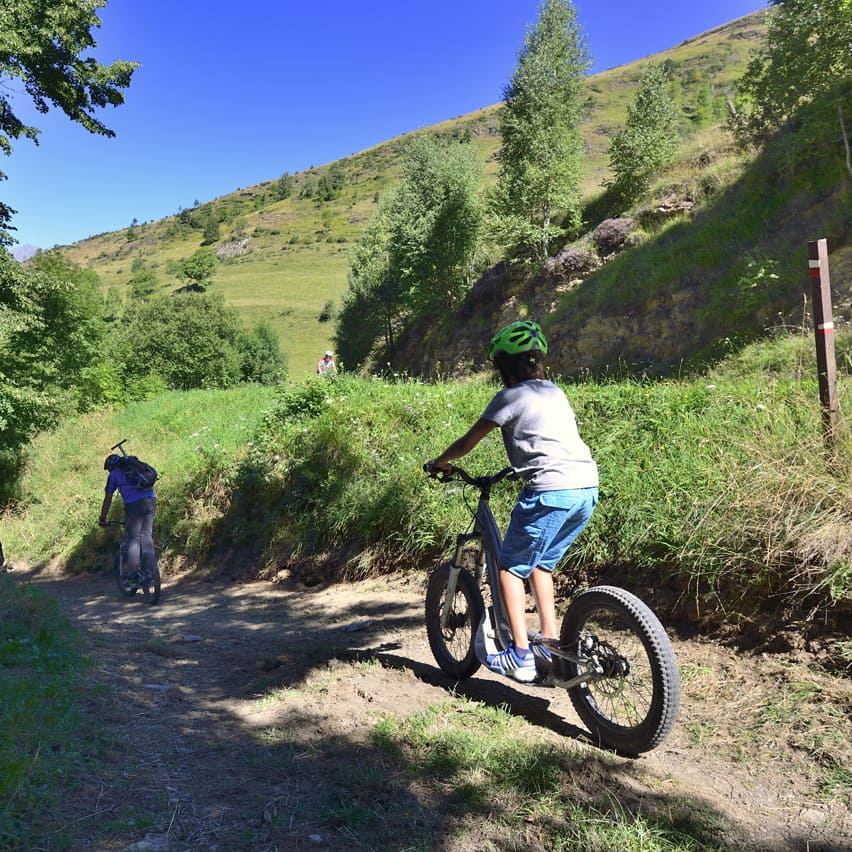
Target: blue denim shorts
<point x="542" y="527"/>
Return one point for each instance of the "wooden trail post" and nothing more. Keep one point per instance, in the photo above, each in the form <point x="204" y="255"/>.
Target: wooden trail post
<point x="824" y="333"/>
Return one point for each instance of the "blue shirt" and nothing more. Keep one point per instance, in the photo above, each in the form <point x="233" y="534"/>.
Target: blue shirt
<point x="129" y="493"/>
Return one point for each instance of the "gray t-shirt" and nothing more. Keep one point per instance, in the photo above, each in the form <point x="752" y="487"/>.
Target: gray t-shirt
<point x="540" y="433"/>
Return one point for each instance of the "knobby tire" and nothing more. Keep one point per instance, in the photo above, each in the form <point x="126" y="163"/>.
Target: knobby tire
<point x="633" y="712"/>
<point x="125" y="587"/>
<point x="453" y="646"/>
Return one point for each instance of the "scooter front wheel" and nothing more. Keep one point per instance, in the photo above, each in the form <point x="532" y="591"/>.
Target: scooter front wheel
<point x="454" y="644"/>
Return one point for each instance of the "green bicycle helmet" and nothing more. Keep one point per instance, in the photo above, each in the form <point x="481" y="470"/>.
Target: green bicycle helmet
<point x="520" y="336"/>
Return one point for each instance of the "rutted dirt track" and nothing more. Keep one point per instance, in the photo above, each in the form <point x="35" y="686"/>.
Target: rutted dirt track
<point x="226" y="718"/>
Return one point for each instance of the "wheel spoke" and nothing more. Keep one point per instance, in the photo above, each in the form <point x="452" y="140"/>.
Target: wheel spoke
<point x="622" y="699"/>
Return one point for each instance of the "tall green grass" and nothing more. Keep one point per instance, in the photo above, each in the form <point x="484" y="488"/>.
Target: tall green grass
<point x="184" y="435"/>
<point x="719" y="486"/>
<point x="40" y="669"/>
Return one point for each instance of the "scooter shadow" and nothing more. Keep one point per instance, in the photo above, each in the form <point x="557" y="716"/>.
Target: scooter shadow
<point x="533" y="706"/>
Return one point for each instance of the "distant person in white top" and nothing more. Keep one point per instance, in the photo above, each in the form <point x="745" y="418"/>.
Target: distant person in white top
<point x="326" y="365"/>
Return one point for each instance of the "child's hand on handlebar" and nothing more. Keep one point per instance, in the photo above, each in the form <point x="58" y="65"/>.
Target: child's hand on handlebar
<point x="434" y="470"/>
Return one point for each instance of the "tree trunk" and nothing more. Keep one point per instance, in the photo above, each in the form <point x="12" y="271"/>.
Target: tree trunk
<point x="845" y="137"/>
<point x="545" y="240"/>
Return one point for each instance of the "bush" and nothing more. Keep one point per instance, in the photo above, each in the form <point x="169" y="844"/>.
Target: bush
<point x="193" y="340"/>
<point x="611" y="234"/>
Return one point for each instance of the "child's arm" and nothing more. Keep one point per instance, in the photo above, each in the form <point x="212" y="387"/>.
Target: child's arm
<point x="465" y="444"/>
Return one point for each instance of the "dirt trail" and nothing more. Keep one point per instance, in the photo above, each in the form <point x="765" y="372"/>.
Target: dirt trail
<point x="221" y="716"/>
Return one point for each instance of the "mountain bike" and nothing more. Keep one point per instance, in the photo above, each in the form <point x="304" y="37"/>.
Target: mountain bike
<point x="612" y="656"/>
<point x="146" y="579"/>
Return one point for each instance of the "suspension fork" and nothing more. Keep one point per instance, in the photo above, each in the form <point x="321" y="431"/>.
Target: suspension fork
<point x="455" y="569"/>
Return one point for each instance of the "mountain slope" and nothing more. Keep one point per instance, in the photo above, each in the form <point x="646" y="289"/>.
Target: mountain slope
<point x="285" y="260"/>
<point x="683" y="289"/>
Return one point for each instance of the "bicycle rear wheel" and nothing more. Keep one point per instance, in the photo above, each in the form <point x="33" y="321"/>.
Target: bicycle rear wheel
<point x="149" y="582"/>
<point x="126" y="587"/>
<point x="633" y="708"/>
<point x="453" y="644"/>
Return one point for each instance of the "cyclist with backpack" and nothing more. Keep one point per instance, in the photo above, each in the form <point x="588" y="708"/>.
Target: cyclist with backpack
<point x="139" y="506"/>
<point x="561" y="485"/>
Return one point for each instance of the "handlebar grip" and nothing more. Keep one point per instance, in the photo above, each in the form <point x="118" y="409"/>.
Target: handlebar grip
<point x="439" y="473"/>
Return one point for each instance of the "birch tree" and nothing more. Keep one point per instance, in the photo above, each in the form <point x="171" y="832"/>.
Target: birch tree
<point x="807" y="62"/>
<point x="540" y="125"/>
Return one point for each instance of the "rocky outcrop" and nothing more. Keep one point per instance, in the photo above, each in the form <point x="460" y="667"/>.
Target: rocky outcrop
<point x="647" y="338"/>
<point x="233" y="249"/>
<point x="608" y="303"/>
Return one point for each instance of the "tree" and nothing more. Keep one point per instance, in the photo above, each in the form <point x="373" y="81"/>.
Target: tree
<point x="190" y="340"/>
<point x="284" y="187"/>
<point x="262" y="361"/>
<point x="211" y="228"/>
<point x="374" y="302"/>
<point x="434" y="223"/>
<point x="51" y="332"/>
<point x="309" y="187"/>
<point x="542" y="144"/>
<point x="807" y="62"/>
<point x="416" y="255"/>
<point x="649" y="139"/>
<point x="65" y="329"/>
<point x="41" y="44"/>
<point x="331" y="183"/>
<point x="197" y="269"/>
<point x="143" y="284"/>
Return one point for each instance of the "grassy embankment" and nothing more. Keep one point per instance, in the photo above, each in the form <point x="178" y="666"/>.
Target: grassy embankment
<point x="298" y="251"/>
<point x="717" y="486"/>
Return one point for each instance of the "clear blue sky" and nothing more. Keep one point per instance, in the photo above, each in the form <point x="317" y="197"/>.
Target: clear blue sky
<point x="229" y="94"/>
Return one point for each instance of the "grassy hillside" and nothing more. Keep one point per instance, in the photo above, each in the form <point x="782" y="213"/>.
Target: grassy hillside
<point x="714" y="257"/>
<point x="717" y="489"/>
<point x="297" y="255"/>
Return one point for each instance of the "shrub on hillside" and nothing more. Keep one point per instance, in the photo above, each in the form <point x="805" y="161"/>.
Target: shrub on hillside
<point x="612" y="234"/>
<point x="193" y="340"/>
